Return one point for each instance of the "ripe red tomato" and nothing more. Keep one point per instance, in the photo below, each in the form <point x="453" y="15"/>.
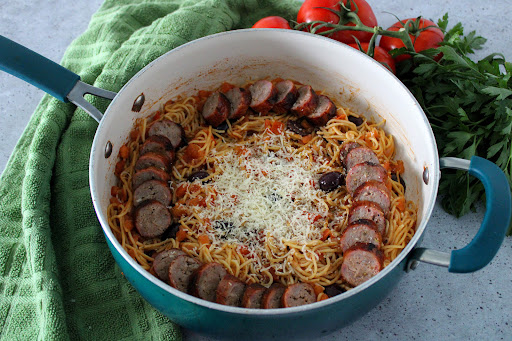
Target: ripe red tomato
<point x="272" y="22"/>
<point x="422" y="40"/>
<point x="309" y="12"/>
<point x="379" y="54"/>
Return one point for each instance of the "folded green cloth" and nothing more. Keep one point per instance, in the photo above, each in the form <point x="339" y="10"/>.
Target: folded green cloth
<point x="58" y="280"/>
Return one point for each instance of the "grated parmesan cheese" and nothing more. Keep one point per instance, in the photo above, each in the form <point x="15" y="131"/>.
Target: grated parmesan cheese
<point x="267" y="192"/>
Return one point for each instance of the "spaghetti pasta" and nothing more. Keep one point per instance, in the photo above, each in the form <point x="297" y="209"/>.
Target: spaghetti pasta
<point x="295" y="237"/>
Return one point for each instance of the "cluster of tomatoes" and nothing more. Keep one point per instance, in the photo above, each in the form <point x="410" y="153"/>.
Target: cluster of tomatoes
<point x="424" y="34"/>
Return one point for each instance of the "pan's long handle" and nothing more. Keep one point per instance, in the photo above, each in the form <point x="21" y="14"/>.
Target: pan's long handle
<point x="48" y="76"/>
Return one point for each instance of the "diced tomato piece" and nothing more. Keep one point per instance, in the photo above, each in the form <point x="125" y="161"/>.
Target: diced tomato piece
<point x="318" y="289"/>
<point x="203" y="239"/>
<point x="323" y="297"/>
<point x="306" y="139"/>
<point x="128" y="223"/>
<point x="114" y="190"/>
<point x="401" y="204"/>
<point x="193" y="152"/>
<point x="277" y="127"/>
<point x="225" y="87"/>
<point x="399" y="168"/>
<point x="342" y="116"/>
<point x="244" y="250"/>
<point x="179" y="210"/>
<point x="181" y="235"/>
<point x="119" y="167"/>
<point x="181" y="190"/>
<point x="124" y="151"/>
<point x="134" y="134"/>
<point x="326" y="234"/>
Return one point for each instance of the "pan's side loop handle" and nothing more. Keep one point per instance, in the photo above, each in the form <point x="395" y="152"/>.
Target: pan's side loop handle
<point x="48" y="76"/>
<point x="484" y="246"/>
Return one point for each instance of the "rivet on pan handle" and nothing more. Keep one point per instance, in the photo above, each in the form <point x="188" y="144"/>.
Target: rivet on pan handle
<point x="484" y="246"/>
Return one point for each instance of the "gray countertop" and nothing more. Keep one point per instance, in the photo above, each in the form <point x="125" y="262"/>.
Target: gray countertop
<point x="429" y="303"/>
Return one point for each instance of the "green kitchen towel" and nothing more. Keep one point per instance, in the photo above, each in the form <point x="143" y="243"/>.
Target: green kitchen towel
<point x="58" y="280"/>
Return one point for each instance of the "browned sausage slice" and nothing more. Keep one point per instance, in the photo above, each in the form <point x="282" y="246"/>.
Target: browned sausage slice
<point x="158" y="144"/>
<point x="206" y="280"/>
<point x="368" y="210"/>
<point x="298" y="294"/>
<point x="153" y="190"/>
<point x="360" y="231"/>
<point x="272" y="297"/>
<point x="151" y="173"/>
<point x="151" y="159"/>
<point x="152" y="218"/>
<point x="360" y="263"/>
<point x="346" y="147"/>
<point x="181" y="270"/>
<point x="253" y="296"/>
<point x="324" y="111"/>
<point x="263" y="94"/>
<point x="360" y="155"/>
<point x="173" y="131"/>
<point x="216" y="109"/>
<point x="239" y="100"/>
<point x="364" y="172"/>
<point x="163" y="260"/>
<point x="374" y="191"/>
<point x="286" y="95"/>
<point x="306" y="101"/>
<point x="230" y="291"/>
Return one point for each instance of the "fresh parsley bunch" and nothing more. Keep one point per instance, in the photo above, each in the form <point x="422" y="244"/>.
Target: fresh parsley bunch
<point x="469" y="106"/>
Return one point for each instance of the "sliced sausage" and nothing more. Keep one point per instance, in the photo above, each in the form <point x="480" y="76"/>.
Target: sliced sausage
<point x="206" y="280"/>
<point x="152" y="218"/>
<point x="216" y="109"/>
<point x="364" y="172"/>
<point x="306" y="103"/>
<point x="360" y="231"/>
<point x="158" y="144"/>
<point x="368" y="210"/>
<point x="239" y="100"/>
<point x="324" y="111"/>
<point x="263" y="94"/>
<point x="374" y="191"/>
<point x="272" y="297"/>
<point x="360" y="263"/>
<point x="163" y="260"/>
<point x="230" y="291"/>
<point x="346" y="147"/>
<point x="151" y="173"/>
<point x="298" y="294"/>
<point x="360" y="155"/>
<point x="173" y="131"/>
<point x="181" y="270"/>
<point x="151" y="159"/>
<point x="153" y="190"/>
<point x="253" y="296"/>
<point x="286" y="96"/>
